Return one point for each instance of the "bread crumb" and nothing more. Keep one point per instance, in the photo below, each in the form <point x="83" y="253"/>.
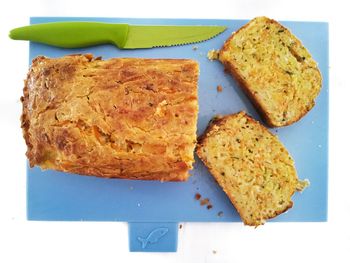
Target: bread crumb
<point x="219" y="88"/>
<point x="214" y="252"/>
<point x="195" y="47"/>
<point x="180" y="226"/>
<point x="205" y="201"/>
<point x="213" y="54"/>
<point x="220" y="214"/>
<point x="302" y="184"/>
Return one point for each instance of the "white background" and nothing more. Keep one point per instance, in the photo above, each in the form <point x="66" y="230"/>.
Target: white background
<point x="23" y="241"/>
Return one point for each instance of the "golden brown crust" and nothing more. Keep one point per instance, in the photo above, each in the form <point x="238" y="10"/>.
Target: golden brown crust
<point x="213" y="135"/>
<point x="289" y="110"/>
<point x="124" y="118"/>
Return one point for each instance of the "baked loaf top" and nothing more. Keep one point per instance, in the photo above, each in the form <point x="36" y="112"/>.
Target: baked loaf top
<point x="123" y="117"/>
<point x="251" y="165"/>
<point x="274" y="69"/>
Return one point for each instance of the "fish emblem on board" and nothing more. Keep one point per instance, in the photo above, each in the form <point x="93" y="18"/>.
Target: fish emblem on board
<point x="153" y="237"/>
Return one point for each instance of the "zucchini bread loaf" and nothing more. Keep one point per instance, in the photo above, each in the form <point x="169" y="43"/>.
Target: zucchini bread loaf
<point x="251" y="165"/>
<point x="274" y="69"/>
<point x="124" y="117"/>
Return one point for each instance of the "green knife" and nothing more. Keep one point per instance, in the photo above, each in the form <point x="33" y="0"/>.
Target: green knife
<point x="124" y="36"/>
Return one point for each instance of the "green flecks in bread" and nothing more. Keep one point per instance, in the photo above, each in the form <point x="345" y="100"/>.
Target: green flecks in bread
<point x="274" y="69"/>
<point x="251" y="165"/>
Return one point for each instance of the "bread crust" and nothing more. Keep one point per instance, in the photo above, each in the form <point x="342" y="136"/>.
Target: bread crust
<point x="119" y="118"/>
<point x="213" y="127"/>
<point x="245" y="87"/>
<point x="234" y="70"/>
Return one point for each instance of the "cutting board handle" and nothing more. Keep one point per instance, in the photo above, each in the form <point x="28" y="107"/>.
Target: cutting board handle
<point x="153" y="237"/>
<point x="73" y="34"/>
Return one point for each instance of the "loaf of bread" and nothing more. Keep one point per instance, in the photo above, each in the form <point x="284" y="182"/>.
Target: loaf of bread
<point x="251" y="165"/>
<point x="124" y="117"/>
<point x="274" y="69"/>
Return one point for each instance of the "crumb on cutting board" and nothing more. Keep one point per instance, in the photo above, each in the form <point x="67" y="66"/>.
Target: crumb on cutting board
<point x="302" y="184"/>
<point x="220" y="214"/>
<point x="205" y="201"/>
<point x="213" y="54"/>
<point x="219" y="88"/>
<point x="214" y="252"/>
<point x="194" y="47"/>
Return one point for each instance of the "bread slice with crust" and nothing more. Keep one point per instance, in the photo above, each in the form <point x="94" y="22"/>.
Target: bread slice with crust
<point x="274" y="69"/>
<point x="251" y="165"/>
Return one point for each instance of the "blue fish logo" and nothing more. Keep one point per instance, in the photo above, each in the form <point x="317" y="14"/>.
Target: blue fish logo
<point x="153" y="237"/>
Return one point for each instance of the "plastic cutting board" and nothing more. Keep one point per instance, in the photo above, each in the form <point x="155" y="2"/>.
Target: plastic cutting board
<point x="153" y="209"/>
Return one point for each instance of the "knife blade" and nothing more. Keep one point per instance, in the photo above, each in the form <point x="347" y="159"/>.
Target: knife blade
<point x="124" y="36"/>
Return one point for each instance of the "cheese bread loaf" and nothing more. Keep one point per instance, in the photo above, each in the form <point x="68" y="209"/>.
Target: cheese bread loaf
<point x="123" y="117"/>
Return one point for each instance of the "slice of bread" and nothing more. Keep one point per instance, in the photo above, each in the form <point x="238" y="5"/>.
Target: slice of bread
<point x="274" y="69"/>
<point x="251" y="165"/>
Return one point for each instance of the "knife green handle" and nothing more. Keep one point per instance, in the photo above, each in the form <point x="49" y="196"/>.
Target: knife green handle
<point x="73" y="34"/>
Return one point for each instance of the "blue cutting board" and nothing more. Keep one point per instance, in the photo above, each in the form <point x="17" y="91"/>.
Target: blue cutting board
<point x="154" y="208"/>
